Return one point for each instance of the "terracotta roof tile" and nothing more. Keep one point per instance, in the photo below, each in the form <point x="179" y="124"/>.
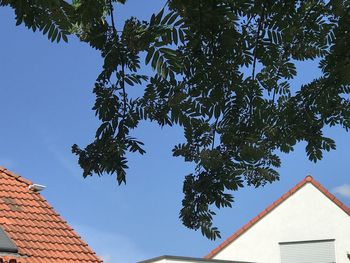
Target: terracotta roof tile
<point x="307" y="179"/>
<point x="40" y="234"/>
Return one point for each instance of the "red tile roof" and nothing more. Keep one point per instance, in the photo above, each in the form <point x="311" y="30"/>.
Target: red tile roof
<point x="307" y="179"/>
<point x="40" y="234"/>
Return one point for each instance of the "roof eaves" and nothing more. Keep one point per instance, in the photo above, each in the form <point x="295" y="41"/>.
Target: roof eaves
<point x="307" y="179"/>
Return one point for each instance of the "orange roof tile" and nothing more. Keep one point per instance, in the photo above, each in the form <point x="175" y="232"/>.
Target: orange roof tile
<point x="307" y="179"/>
<point x="40" y="234"/>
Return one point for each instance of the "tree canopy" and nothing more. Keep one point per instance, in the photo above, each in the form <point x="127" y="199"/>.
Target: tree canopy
<point x="222" y="72"/>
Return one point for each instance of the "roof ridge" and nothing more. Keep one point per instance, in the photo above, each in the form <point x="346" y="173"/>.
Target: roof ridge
<point x="16" y="176"/>
<point x="298" y="186"/>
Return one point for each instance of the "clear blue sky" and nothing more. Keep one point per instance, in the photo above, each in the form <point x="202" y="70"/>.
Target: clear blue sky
<point x="46" y="99"/>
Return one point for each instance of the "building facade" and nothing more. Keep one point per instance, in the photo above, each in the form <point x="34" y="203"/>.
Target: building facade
<point x="306" y="225"/>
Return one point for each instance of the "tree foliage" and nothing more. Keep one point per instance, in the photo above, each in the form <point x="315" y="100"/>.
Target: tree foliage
<point x="222" y="72"/>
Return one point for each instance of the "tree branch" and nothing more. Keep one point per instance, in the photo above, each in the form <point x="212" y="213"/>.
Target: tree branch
<point x="214" y="133"/>
<point x="112" y="17"/>
<point x="261" y="20"/>
<point x="122" y="84"/>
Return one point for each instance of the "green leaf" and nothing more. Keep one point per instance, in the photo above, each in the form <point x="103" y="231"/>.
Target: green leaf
<point x="46" y="28"/>
<point x="155" y="59"/>
<point x="175" y="36"/>
<point x="181" y="36"/>
<point x="51" y="31"/>
<point x="65" y="38"/>
<point x="159" y="16"/>
<point x="149" y="54"/>
<point x="172" y="18"/>
<point x="129" y="81"/>
<point x="59" y="37"/>
<point x="160" y="65"/>
<point x="153" y="20"/>
<point x="166" y="18"/>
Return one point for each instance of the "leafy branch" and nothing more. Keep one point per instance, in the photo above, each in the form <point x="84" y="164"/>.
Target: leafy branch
<point x="234" y="125"/>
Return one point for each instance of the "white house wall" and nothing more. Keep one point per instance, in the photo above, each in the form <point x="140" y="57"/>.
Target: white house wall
<point x="306" y="215"/>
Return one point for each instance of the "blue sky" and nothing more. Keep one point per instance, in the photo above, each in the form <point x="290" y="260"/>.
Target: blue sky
<point x="46" y="100"/>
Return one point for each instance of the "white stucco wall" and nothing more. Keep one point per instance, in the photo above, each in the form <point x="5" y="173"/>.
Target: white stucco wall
<point x="306" y="215"/>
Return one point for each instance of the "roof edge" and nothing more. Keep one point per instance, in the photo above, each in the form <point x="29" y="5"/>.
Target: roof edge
<point x="307" y="179"/>
<point x="190" y="259"/>
<point x="17" y="177"/>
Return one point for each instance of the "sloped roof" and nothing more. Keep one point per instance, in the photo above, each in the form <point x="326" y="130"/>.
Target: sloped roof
<point x="40" y="234"/>
<point x="169" y="258"/>
<point x="307" y="179"/>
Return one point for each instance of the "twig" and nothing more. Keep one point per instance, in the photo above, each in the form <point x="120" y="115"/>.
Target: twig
<point x="122" y="84"/>
<point x="112" y="17"/>
<point x="214" y="133"/>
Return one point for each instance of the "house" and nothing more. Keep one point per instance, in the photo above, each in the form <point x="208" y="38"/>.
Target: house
<point x="306" y="225"/>
<point x="30" y="229"/>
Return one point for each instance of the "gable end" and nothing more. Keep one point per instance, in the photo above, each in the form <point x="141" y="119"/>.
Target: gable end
<point x="306" y="180"/>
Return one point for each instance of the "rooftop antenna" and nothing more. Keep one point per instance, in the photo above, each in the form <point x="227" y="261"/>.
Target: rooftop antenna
<point x="37" y="187"/>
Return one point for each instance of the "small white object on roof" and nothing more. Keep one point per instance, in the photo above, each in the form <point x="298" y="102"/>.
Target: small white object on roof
<point x="37" y="187"/>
